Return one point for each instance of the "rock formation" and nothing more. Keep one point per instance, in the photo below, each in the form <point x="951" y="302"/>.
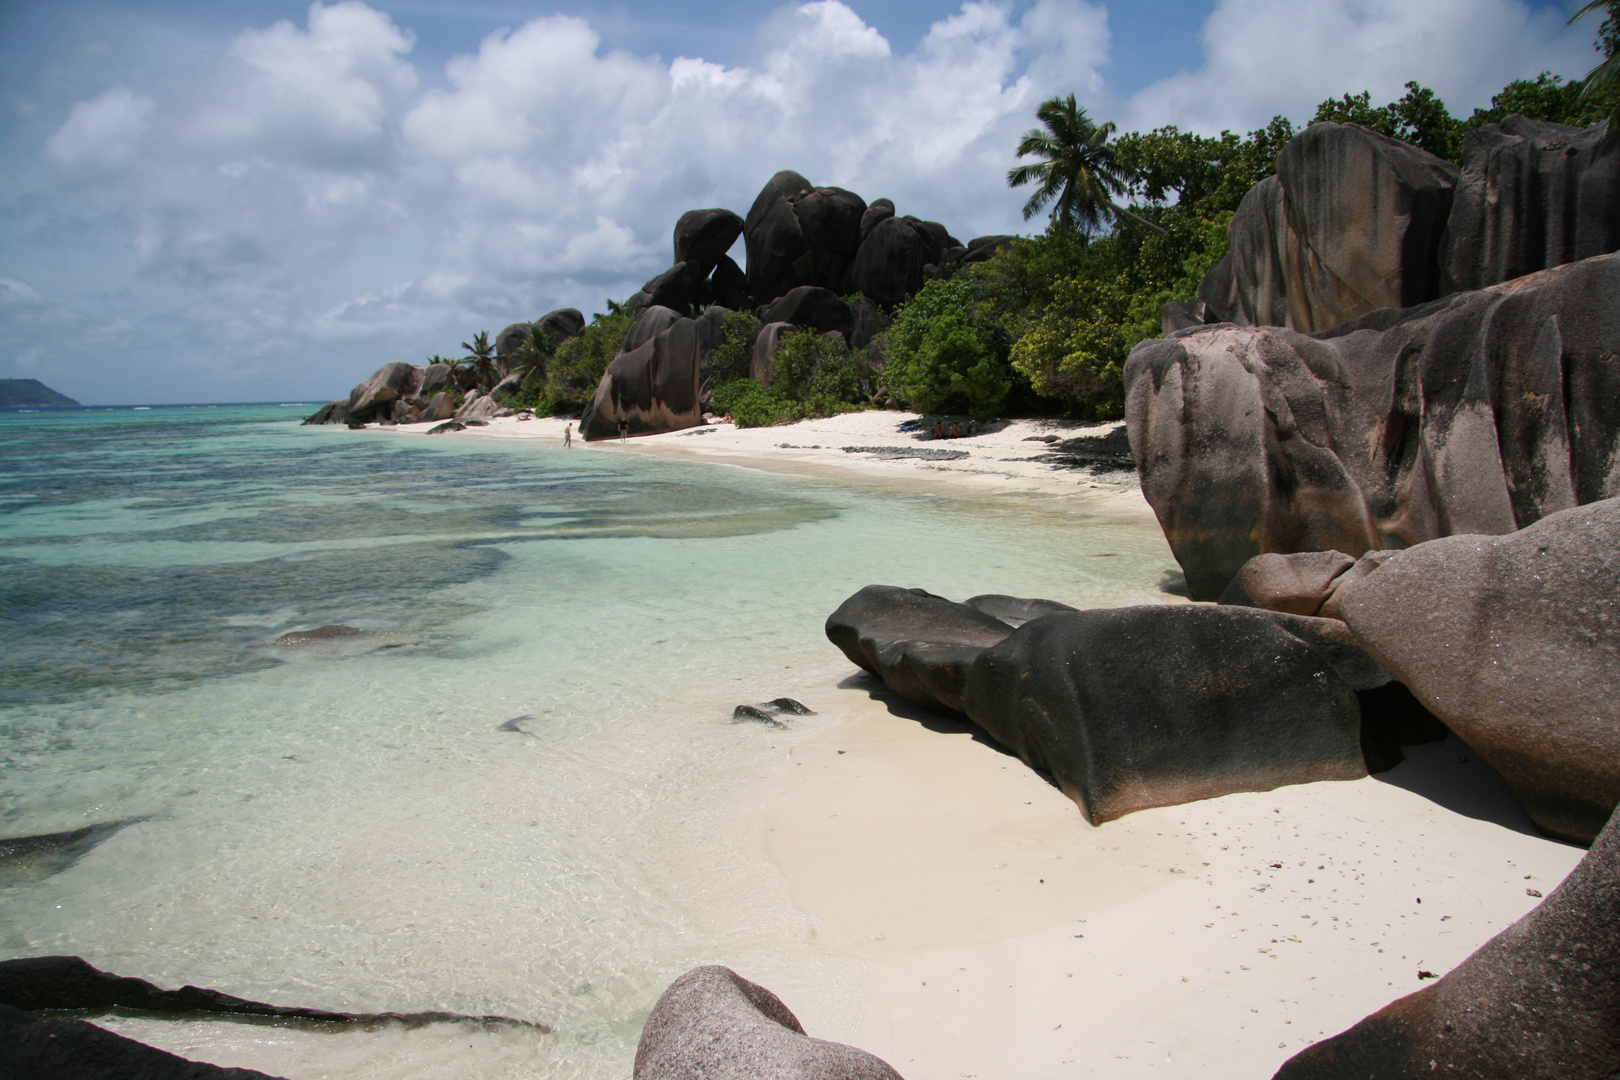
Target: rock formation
<point x="1134" y="707"/>
<point x="653" y="386"/>
<point x="1354" y="221"/>
<point x="1514" y="642"/>
<point x="1531" y="195"/>
<point x="1479" y="413"/>
<point x="715" y="1024"/>
<point x="559" y="326"/>
<point x="1541" y="999"/>
<point x="66" y="1049"/>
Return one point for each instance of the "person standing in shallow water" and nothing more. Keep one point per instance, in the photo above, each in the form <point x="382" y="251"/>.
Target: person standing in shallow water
<point x="568" y="436"/>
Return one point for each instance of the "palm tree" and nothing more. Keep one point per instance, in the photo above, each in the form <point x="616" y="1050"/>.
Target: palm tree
<point x="1080" y="174"/>
<point x="1606" y="75"/>
<point x="481" y="355"/>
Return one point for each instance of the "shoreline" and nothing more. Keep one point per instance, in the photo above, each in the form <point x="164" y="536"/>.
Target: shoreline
<point x="949" y="910"/>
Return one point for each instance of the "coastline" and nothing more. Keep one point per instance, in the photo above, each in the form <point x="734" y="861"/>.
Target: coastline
<point x="950" y="911"/>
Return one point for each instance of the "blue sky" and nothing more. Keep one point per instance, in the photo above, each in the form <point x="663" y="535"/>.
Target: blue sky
<point x="259" y="200"/>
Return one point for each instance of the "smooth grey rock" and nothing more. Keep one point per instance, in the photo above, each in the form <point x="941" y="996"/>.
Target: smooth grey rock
<point x="389" y="383"/>
<point x="680" y="288"/>
<point x="1135" y="707"/>
<point x="1015" y="611"/>
<point x="478" y="407"/>
<point x="869" y="322"/>
<point x="1514" y="642"/>
<point x="889" y="265"/>
<point x="878" y="210"/>
<point x="775" y="239"/>
<point x="814" y="307"/>
<point x="56" y="1048"/>
<point x="1299" y="583"/>
<point x="715" y="1025"/>
<point x="983" y="248"/>
<point x="759" y="366"/>
<point x="652" y="388"/>
<point x="728" y="285"/>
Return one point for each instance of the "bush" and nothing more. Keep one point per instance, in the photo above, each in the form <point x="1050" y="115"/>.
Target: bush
<point x="579" y="363"/>
<point x="940" y="356"/>
<point x="819" y="373"/>
<point x="751" y="404"/>
<point x="731" y="358"/>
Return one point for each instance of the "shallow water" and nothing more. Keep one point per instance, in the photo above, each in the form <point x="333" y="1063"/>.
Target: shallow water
<point x="343" y="824"/>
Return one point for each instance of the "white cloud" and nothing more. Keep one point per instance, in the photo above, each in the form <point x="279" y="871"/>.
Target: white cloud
<point x="1269" y="57"/>
<point x="301" y="207"/>
<point x="102" y="133"/>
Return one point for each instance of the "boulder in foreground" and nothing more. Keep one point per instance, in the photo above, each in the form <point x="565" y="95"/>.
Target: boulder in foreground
<point x="1514" y="642"/>
<point x="1134" y="707"/>
<point x="713" y="1024"/>
<point x="64" y="1049"/>
<point x="1541" y="999"/>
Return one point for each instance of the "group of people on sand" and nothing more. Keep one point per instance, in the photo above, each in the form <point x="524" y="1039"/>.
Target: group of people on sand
<point x="955" y="431"/>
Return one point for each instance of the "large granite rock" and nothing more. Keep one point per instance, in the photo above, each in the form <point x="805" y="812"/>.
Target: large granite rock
<point x="729" y="285"/>
<point x="774" y="237"/>
<point x="704" y="237"/>
<point x="1532" y="195"/>
<point x="814" y="307"/>
<point x="713" y="1024"/>
<point x="391" y="382"/>
<point x="558" y="326"/>
<point x="652" y="388"/>
<point x="56" y="1048"/>
<point x="681" y="288"/>
<point x="1351" y="223"/>
<point x="1134" y="707"/>
<point x="889" y="265"/>
<point x="876" y="211"/>
<point x="1541" y="999"/>
<point x="759" y="363"/>
<point x="869" y="322"/>
<point x="1298" y="584"/>
<point x="919" y="644"/>
<point x="1514" y="642"/>
<point x="1479" y="413"/>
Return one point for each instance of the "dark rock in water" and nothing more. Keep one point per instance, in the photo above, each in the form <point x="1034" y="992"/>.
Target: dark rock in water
<point x="714" y="1024"/>
<point x="389" y="383"/>
<point x="1480" y="413"/>
<point x="770" y="712"/>
<point x="704" y="236"/>
<point x="1514" y="642"/>
<point x="52" y="1048"/>
<point x="1298" y="584"/>
<point x="1013" y="610"/>
<point x="447" y="426"/>
<point x="34" y="858"/>
<point x="919" y="644"/>
<point x="652" y="389"/>
<point x="516" y="725"/>
<point x="812" y="307"/>
<point x="333" y="412"/>
<point x="1390" y="719"/>
<point x="927" y="453"/>
<point x="1531" y="195"/>
<point x="1135" y="707"/>
<point x="1541" y="999"/>
<point x="38" y="983"/>
<point x="889" y="265"/>
<point x="323" y="633"/>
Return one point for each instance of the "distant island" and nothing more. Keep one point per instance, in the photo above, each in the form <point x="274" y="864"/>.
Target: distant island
<point x="20" y="393"/>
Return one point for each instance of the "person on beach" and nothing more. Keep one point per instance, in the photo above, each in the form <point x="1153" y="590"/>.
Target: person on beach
<point x="568" y="436"/>
<point x="624" y="430"/>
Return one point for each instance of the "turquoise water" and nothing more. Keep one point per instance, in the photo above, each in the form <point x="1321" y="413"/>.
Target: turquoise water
<point x="344" y="824"/>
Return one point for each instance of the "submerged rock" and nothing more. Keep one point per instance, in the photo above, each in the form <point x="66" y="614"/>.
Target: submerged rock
<point x="770" y="712"/>
<point x="716" y="1025"/>
<point x="64" y="1049"/>
<point x="1541" y="999"/>
<point x="33" y="858"/>
<point x="330" y="632"/>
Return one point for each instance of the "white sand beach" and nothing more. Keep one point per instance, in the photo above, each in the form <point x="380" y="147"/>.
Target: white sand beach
<point x="952" y="912"/>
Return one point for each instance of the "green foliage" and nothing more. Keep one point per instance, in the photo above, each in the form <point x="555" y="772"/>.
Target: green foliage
<point x="944" y="355"/>
<point x="819" y="373"/>
<point x="1419" y="118"/>
<point x="751" y="404"/>
<point x="1546" y="97"/>
<point x="1602" y="83"/>
<point x="731" y="358"/>
<point x="1079" y="174"/>
<point x="579" y="363"/>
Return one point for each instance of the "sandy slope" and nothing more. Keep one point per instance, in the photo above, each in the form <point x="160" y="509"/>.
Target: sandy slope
<point x="950" y="911"/>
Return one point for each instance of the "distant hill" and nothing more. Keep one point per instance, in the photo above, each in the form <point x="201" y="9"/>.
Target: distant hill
<point x="22" y="392"/>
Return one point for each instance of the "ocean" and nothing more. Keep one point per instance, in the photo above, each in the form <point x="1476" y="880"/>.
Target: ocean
<point x="501" y="799"/>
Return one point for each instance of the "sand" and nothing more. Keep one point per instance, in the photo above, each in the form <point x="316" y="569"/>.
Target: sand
<point x="949" y="910"/>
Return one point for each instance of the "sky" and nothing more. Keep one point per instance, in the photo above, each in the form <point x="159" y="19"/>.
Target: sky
<point x="257" y="200"/>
